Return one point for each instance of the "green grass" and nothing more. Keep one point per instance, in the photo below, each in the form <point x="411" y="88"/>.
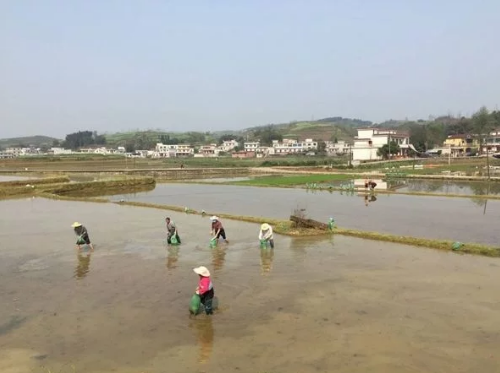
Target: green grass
<point x="277" y="181"/>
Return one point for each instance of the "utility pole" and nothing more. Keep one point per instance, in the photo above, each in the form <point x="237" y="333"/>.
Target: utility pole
<point x="449" y="155"/>
<point x="487" y="163"/>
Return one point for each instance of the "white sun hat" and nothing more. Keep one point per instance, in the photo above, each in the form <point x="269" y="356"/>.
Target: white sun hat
<point x="214" y="218"/>
<point x="202" y="271"/>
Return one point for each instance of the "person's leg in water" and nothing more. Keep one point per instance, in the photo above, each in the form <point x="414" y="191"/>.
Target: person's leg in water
<point x="207" y="300"/>
<point x="178" y="238"/>
<point x="271" y="243"/>
<point x="86" y="238"/>
<point x="222" y="233"/>
<point x="169" y="237"/>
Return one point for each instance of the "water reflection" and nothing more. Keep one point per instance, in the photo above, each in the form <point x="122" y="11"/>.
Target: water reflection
<point x="445" y="187"/>
<point x="266" y="260"/>
<point x="218" y="259"/>
<point x="369" y="199"/>
<point x="203" y="327"/>
<point x="83" y="266"/>
<point x="172" y="256"/>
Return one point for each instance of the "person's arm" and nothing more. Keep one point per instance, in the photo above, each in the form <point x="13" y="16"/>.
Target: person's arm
<point x="261" y="236"/>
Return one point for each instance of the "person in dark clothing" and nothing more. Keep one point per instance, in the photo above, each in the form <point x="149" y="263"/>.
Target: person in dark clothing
<point x="217" y="229"/>
<point x="83" y="236"/>
<point x="172" y="231"/>
<point x="370" y="184"/>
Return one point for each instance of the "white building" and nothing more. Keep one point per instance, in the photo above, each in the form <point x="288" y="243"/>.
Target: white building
<point x="209" y="150"/>
<point x="337" y="148"/>
<point x="15" y="152"/>
<point x="174" y="150"/>
<point x="228" y="145"/>
<point x="252" y="146"/>
<point x="370" y="140"/>
<point x="492" y="142"/>
<point x="291" y="146"/>
<point x="59" y="151"/>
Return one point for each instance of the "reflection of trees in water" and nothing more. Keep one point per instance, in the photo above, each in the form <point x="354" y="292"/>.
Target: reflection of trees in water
<point x="205" y="334"/>
<point x="218" y="258"/>
<point x="266" y="260"/>
<point x="83" y="266"/>
<point x="172" y="257"/>
<point x="485" y="188"/>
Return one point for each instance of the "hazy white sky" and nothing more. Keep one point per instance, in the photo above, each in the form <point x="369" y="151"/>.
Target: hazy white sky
<point x="116" y="65"/>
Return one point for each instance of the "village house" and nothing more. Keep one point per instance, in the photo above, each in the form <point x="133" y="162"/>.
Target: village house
<point x="252" y="146"/>
<point x="173" y="150"/>
<point x="210" y="150"/>
<point x="492" y="142"/>
<point x="292" y="146"/>
<point x="370" y="140"/>
<point x="337" y="148"/>
<point x="461" y="145"/>
<point x="228" y="145"/>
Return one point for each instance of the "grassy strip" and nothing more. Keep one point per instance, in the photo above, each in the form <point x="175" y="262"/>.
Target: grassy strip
<point x="286" y="227"/>
<point x="276" y="181"/>
<point x="104" y="187"/>
<point x="20" y="188"/>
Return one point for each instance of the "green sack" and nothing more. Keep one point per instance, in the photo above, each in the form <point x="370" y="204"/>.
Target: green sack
<point x="173" y="240"/>
<point x="263" y="244"/>
<point x="80" y="241"/>
<point x="194" y="306"/>
<point x="213" y="242"/>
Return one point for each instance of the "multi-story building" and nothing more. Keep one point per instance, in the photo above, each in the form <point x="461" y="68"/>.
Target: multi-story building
<point x="337" y="148"/>
<point x="228" y="145"/>
<point x="210" y="150"/>
<point x="461" y="145"/>
<point x="173" y="150"/>
<point x="292" y="146"/>
<point x="492" y="142"/>
<point x="252" y="146"/>
<point x="370" y="140"/>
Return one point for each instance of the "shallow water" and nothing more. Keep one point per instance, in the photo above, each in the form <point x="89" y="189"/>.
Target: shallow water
<point x="457" y="219"/>
<point x="14" y="178"/>
<point x="446" y="187"/>
<point x="330" y="305"/>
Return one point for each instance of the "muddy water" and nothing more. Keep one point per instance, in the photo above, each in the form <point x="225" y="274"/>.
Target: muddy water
<point x="335" y="305"/>
<point x="13" y="178"/>
<point x="446" y="187"/>
<point x="431" y="217"/>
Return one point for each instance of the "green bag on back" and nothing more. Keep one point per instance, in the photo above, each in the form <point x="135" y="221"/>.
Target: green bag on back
<point x="80" y="241"/>
<point x="194" y="306"/>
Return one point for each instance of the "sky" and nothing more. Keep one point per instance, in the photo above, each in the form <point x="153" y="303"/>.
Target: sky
<point x="209" y="65"/>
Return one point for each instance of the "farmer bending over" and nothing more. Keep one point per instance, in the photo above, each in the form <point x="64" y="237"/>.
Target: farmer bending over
<point x="172" y="231"/>
<point x="217" y="229"/>
<point x="83" y="236"/>
<point x="266" y="234"/>
<point x="205" y="288"/>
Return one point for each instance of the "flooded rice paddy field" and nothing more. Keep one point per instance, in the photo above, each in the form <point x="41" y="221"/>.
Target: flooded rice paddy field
<point x="459" y="219"/>
<point x="14" y="178"/>
<point x="331" y="305"/>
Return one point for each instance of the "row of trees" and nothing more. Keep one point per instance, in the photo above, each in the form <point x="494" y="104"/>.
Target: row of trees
<point x="82" y="139"/>
<point x="427" y="135"/>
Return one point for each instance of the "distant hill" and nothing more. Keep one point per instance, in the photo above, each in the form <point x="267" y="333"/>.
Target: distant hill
<point x="322" y="129"/>
<point x="36" y="141"/>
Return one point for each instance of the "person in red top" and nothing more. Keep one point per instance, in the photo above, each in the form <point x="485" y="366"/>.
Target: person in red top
<point x="217" y="229"/>
<point x="205" y="288"/>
